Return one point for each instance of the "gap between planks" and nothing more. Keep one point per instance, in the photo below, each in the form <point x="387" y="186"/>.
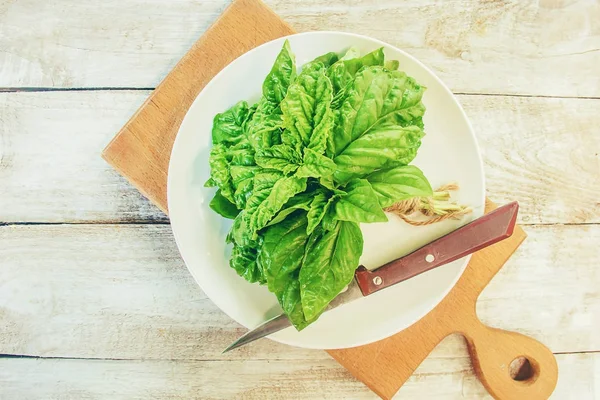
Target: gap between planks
<point x="133" y="88"/>
<point x="167" y="222"/>
<point x="73" y="89"/>
<point x="107" y="222"/>
<point x="125" y="359"/>
<point x="27" y="356"/>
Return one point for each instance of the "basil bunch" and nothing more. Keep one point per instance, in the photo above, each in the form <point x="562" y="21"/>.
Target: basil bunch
<point x="321" y="152"/>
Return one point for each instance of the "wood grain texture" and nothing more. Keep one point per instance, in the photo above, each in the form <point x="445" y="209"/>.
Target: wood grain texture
<point x="49" y="165"/>
<point x="84" y="379"/>
<point x="150" y="133"/>
<point x="542" y="152"/>
<point x="545" y="47"/>
<point x="122" y="291"/>
<point x="444" y="378"/>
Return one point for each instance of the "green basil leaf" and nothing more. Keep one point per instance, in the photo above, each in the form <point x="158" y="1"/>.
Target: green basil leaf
<point x="306" y="110"/>
<point x="379" y="99"/>
<point x="380" y="148"/>
<point x="299" y="202"/>
<point x="280" y="157"/>
<point x="400" y="183"/>
<point x="240" y="173"/>
<point x="222" y="206"/>
<point x="210" y="182"/>
<point x="262" y="185"/>
<point x="359" y="204"/>
<point x="326" y="59"/>
<point x="380" y="118"/>
<point x="226" y="166"/>
<point x="368" y="154"/>
<point x="244" y="261"/>
<point x="264" y="130"/>
<point x="251" y="111"/>
<point x="376" y="57"/>
<point x="290" y="301"/>
<point x="243" y="181"/>
<point x="241" y="153"/>
<point x="343" y="72"/>
<point x="281" y="258"/>
<point x="316" y="165"/>
<point x="392" y="65"/>
<point x="238" y="232"/>
<point x="327" y="182"/>
<point x="242" y="192"/>
<point x="219" y="170"/>
<point x="268" y="199"/>
<point x="318" y="208"/>
<point x="328" y="266"/>
<point x="352" y="52"/>
<point x="281" y="76"/>
<point x="228" y="126"/>
<point x="329" y="220"/>
<point x="282" y="250"/>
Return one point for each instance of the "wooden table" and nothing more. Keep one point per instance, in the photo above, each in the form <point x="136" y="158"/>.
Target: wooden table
<point x="95" y="301"/>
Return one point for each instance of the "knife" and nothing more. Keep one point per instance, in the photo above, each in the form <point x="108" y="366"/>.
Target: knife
<point x="476" y="235"/>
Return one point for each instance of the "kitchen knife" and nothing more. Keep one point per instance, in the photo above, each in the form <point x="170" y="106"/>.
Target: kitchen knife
<point x="476" y="235"/>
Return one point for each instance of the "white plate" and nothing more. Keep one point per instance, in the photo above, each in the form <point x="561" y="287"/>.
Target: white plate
<point x="449" y="153"/>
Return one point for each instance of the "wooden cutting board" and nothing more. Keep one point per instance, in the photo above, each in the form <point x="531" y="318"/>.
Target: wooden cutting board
<point x="141" y="152"/>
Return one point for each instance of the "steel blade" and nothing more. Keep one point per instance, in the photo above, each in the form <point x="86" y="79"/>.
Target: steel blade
<point x="268" y="327"/>
<point x="281" y="321"/>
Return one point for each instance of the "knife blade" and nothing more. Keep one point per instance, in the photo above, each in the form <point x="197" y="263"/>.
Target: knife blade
<point x="476" y="235"/>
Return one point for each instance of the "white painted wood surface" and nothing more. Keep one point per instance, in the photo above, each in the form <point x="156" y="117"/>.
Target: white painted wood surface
<point x="534" y="47"/>
<point x="445" y="378"/>
<point x="92" y="289"/>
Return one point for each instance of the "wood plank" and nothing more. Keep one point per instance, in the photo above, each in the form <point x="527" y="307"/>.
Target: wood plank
<point x="532" y="47"/>
<point x="441" y="378"/>
<point x="553" y="275"/>
<point x="121" y="291"/>
<point x="92" y="379"/>
<point x="540" y="151"/>
<point x="50" y="165"/>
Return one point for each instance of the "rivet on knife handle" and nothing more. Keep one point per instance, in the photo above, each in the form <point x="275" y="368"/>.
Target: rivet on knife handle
<point x="484" y="231"/>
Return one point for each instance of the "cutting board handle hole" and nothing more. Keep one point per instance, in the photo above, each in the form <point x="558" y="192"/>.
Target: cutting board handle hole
<point x="521" y="369"/>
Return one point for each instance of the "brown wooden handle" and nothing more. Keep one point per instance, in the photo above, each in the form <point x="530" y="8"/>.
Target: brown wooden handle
<point x="476" y="235"/>
<point x="511" y="366"/>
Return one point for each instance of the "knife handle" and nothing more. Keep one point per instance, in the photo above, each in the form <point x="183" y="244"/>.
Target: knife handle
<point x="482" y="232"/>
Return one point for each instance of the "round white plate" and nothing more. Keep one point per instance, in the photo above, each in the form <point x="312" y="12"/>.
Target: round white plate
<point x="449" y="153"/>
